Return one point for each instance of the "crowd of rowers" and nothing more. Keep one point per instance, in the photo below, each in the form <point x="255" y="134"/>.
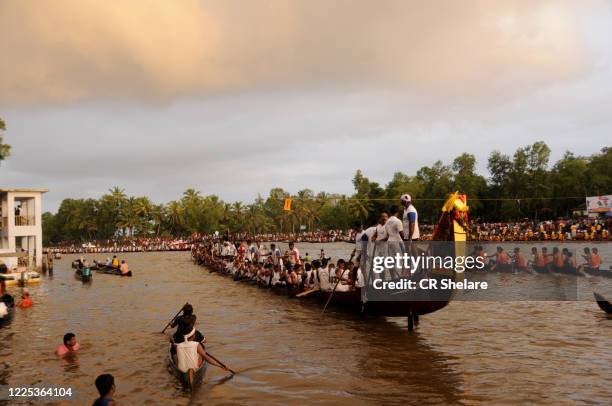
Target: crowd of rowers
<point x="271" y="267"/>
<point x="541" y="261"/>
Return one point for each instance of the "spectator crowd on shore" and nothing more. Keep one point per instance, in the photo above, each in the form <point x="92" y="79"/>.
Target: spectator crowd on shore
<point x="528" y="230"/>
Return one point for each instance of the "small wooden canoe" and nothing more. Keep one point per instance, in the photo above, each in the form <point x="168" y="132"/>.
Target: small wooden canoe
<point x="190" y="379"/>
<point x="109" y="270"/>
<point x="597" y="272"/>
<point x="603" y="303"/>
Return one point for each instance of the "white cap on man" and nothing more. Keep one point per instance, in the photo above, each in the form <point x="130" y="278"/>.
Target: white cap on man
<point x="406" y="198"/>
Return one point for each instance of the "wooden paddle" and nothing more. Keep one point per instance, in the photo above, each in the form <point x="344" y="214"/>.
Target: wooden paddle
<point x="174" y="318"/>
<point x="220" y="363"/>
<point x="308" y="292"/>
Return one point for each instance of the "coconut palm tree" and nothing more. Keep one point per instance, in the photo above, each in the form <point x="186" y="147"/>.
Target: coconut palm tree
<point x="175" y="215"/>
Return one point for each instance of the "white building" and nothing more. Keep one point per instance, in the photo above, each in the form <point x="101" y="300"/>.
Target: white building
<point x="21" y="226"/>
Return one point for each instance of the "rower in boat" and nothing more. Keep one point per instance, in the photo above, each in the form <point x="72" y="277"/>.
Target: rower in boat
<point x="276" y="276"/>
<point x="291" y="277"/>
<point x="502" y="261"/>
<point x="124" y="268"/>
<point x="593" y="261"/>
<point x="558" y="260"/>
<point x="570" y="263"/>
<point x="481" y="256"/>
<point x="538" y="263"/>
<point x="189" y="358"/>
<point x="323" y="275"/>
<point x="548" y="259"/>
<point x="292" y="254"/>
<point x="276" y="255"/>
<point x="188" y="353"/>
<point x="519" y="261"/>
<point x="185" y="323"/>
<point x="115" y="263"/>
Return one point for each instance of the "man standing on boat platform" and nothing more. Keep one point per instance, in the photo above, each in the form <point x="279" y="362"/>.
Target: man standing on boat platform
<point x="410" y="219"/>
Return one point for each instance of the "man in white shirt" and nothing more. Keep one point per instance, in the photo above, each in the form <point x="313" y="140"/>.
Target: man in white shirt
<point x="358" y="242"/>
<point x="277" y="256"/>
<point x="189" y="353"/>
<point x="293" y="254"/>
<point x="380" y="236"/>
<point x="410" y="219"/>
<point x="394" y="230"/>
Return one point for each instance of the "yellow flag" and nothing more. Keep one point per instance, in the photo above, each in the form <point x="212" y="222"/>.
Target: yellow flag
<point x="287" y="205"/>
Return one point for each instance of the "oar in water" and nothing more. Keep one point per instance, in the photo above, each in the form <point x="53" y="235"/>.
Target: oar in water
<point x="308" y="292"/>
<point x="174" y="318"/>
<point x="220" y="363"/>
<point x="209" y="355"/>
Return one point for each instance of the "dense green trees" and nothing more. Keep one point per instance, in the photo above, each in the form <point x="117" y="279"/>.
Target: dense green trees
<point x="524" y="186"/>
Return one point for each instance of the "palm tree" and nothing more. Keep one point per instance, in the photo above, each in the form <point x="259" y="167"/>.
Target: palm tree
<point x="191" y="194"/>
<point x="157" y="217"/>
<point x="128" y="217"/>
<point x="237" y="211"/>
<point x="175" y="215"/>
<point x="117" y="194"/>
<point x="359" y="208"/>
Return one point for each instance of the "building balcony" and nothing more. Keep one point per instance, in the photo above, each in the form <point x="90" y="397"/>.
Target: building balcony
<point x="25" y="221"/>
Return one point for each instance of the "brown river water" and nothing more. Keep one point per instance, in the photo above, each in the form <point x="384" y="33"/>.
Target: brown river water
<point x="285" y="352"/>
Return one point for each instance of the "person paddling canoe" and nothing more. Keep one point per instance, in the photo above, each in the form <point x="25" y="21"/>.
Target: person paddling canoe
<point x="185" y="323"/>
<point x="190" y="353"/>
<point x="124" y="268"/>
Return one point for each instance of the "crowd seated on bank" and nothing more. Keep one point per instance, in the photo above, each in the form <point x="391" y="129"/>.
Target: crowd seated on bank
<point x="527" y="230"/>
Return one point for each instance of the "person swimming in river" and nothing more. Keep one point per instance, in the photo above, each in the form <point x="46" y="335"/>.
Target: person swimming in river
<point x="70" y="345"/>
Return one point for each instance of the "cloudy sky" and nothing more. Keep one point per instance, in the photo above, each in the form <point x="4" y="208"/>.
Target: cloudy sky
<point x="235" y="97"/>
